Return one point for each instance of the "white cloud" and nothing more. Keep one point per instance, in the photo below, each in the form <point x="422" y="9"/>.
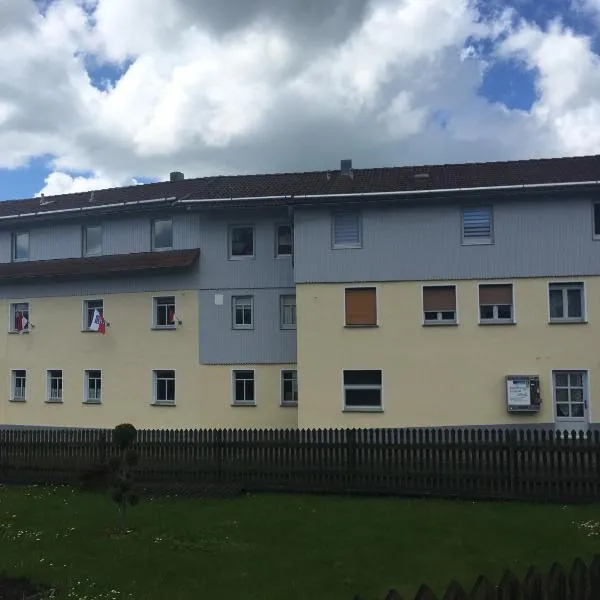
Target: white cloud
<point x="63" y="183"/>
<point x="259" y="85"/>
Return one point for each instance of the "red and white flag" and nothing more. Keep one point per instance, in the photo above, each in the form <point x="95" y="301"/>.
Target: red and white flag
<point x="21" y="321"/>
<point x="171" y="318"/>
<point x="98" y="324"/>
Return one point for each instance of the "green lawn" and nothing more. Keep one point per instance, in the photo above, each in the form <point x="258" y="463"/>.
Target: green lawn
<point x="274" y="547"/>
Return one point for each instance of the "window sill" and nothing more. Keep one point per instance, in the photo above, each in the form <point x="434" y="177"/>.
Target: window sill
<point x="349" y="247"/>
<point x="249" y="257"/>
<point x="440" y="324"/>
<point x="16" y="332"/>
<point x="287" y="327"/>
<point x="243" y="404"/>
<point x="163" y="404"/>
<point x="362" y="326"/>
<point x="482" y="242"/>
<point x="166" y="249"/>
<point x="18" y="400"/>
<point x="163" y="328"/>
<point x="92" y="330"/>
<point x="92" y="402"/>
<point x="568" y="322"/>
<point x="238" y="328"/>
<point x="53" y="401"/>
<point x="289" y="404"/>
<point x="362" y="409"/>
<point x="492" y="322"/>
<point x="288" y="256"/>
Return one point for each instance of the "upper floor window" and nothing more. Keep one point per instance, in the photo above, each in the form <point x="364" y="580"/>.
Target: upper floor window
<point x="93" y="386"/>
<point x="92" y="240"/>
<point x="241" y="241"/>
<point x="162" y="234"/>
<point x="288" y="312"/>
<point x="164" y="387"/>
<point x="242" y="312"/>
<point x="360" y="307"/>
<point x="496" y="303"/>
<point x="566" y="302"/>
<point x="346" y="230"/>
<point x="164" y="311"/>
<point x="477" y="225"/>
<point x="285" y="237"/>
<point x="91" y="310"/>
<point x="20" y="245"/>
<point x="439" y="305"/>
<point x="19" y="317"/>
<point x="597" y="220"/>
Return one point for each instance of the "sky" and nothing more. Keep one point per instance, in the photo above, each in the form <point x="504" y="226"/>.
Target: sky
<point x="102" y="93"/>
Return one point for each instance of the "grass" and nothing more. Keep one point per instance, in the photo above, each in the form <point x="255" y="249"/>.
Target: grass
<point x="271" y="547"/>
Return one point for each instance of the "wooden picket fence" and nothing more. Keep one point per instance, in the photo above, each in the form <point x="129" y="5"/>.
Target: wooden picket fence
<point x="541" y="465"/>
<point x="581" y="582"/>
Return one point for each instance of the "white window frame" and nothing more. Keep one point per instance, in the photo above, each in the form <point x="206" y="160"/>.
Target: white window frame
<point x="565" y="285"/>
<point x="234" y="400"/>
<point x="341" y="246"/>
<point x="155" y="305"/>
<point x="86" y="386"/>
<point x="277" y="253"/>
<point x="345" y="387"/>
<point x="294" y="380"/>
<point x="154" y="247"/>
<point x="282" y="307"/>
<point x="439" y="320"/>
<point x="13" y="246"/>
<point x="49" y="398"/>
<point x="587" y="418"/>
<point x="85" y="310"/>
<point x="495" y="320"/>
<point x="12" y="310"/>
<point x="480" y="240"/>
<point x="13" y="386"/>
<point x="234" y="301"/>
<point x="155" y="378"/>
<point x="230" y="229"/>
<point x="84" y="240"/>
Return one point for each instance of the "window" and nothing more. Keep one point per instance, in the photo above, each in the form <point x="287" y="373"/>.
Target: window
<point x="164" y="311"/>
<point x="566" y="302"/>
<point x="242" y="312"/>
<point x="477" y="225"/>
<point x="162" y="234"/>
<point x="362" y="390"/>
<point x="288" y="312"/>
<point x="346" y="230"/>
<point x="241" y="241"/>
<point x="361" y="307"/>
<point x="496" y="303"/>
<point x="20" y="246"/>
<point x="439" y="304"/>
<point x="55" y="385"/>
<point x="19" y="317"/>
<point x="89" y="310"/>
<point x="164" y="387"/>
<point x="289" y="387"/>
<point x="243" y="387"/>
<point x="92" y="240"/>
<point x="570" y="394"/>
<point x="19" y="380"/>
<point x="597" y="220"/>
<point x="285" y="240"/>
<point x="93" y="387"/>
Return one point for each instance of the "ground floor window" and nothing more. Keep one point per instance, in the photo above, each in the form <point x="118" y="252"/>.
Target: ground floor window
<point x="570" y="395"/>
<point x="289" y="387"/>
<point x="55" y="385"/>
<point x="243" y="387"/>
<point x="19" y="380"/>
<point x="362" y="390"/>
<point x="164" y="387"/>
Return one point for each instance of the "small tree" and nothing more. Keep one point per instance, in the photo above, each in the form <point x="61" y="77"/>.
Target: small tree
<point x="122" y="486"/>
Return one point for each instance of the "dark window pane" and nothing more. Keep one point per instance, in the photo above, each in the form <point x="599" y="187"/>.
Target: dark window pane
<point x="576" y="379"/>
<point x="574" y="303"/>
<point x="561" y="379"/>
<point x="21" y="246"/>
<point x="239" y="391"/>
<point x="362" y="377"/>
<point x="366" y="397"/>
<point x="284" y="240"/>
<point x="562" y="410"/>
<point x="249" y="390"/>
<point x="556" y="304"/>
<point x="504" y="311"/>
<point x="596" y="219"/>
<point x="242" y="241"/>
<point x="170" y="389"/>
<point x="431" y="316"/>
<point x="577" y="410"/>
<point x="93" y="240"/>
<point x="163" y="233"/>
<point x="448" y="315"/>
<point x="486" y="312"/>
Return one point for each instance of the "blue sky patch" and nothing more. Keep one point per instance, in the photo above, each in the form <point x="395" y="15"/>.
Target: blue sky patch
<point x="506" y="81"/>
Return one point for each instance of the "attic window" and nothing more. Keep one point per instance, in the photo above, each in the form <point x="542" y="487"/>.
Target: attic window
<point x="477" y="225"/>
<point x="346" y="230"/>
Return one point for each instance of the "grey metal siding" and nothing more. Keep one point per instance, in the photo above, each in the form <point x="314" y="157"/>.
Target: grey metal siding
<point x="266" y="343"/>
<point x="56" y="240"/>
<point x="126" y="236"/>
<point x="532" y="238"/>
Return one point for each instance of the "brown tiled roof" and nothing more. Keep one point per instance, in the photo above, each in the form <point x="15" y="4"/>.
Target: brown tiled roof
<point x="322" y="183"/>
<point x="99" y="265"/>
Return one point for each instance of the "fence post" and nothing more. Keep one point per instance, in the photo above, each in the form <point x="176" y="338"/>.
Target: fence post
<point x="102" y="448"/>
<point x="512" y="460"/>
<point x="351" y="453"/>
<point x="219" y="454"/>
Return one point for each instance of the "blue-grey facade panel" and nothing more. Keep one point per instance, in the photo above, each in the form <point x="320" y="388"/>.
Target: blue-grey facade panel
<point x="126" y="236"/>
<point x="266" y="342"/>
<point x="531" y="238"/>
<point x="45" y="288"/>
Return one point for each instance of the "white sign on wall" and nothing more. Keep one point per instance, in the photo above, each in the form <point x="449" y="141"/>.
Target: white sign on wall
<point x="518" y="392"/>
<point x="218" y="299"/>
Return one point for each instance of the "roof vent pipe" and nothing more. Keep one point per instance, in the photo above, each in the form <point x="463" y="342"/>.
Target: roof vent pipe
<point x="176" y="176"/>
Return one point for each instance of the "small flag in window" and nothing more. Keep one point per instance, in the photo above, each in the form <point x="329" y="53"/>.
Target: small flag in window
<point x="98" y="324"/>
<point x="21" y="322"/>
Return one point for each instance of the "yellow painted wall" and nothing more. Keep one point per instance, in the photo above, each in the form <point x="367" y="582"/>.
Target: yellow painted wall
<point x="438" y="375"/>
<point x="127" y="354"/>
